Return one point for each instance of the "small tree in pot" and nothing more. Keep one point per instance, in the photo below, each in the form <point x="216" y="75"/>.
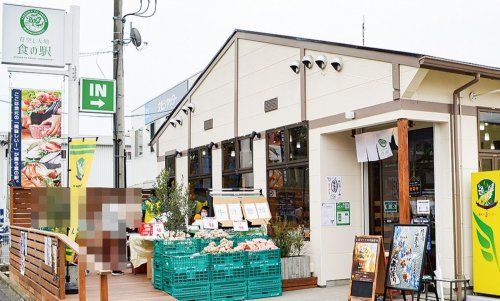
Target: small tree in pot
<point x="289" y="237"/>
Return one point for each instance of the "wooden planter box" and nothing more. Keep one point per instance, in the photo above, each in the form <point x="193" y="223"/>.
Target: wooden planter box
<point x="299" y="283"/>
<point x="295" y="267"/>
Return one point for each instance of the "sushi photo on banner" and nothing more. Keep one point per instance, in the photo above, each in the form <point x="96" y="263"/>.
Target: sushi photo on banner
<point x="36" y="125"/>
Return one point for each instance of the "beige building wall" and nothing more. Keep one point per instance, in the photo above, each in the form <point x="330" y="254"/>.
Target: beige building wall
<point x="264" y="73"/>
<point x="214" y="98"/>
<point x="217" y="168"/>
<point x="260" y="164"/>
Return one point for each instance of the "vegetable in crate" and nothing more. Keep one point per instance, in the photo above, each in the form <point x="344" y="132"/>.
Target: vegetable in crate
<point x="225" y="246"/>
<point x="211" y="234"/>
<point x="257" y="244"/>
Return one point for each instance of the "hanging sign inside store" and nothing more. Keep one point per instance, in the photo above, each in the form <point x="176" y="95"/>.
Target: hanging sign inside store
<point x="221" y="212"/>
<point x="406" y="257"/>
<point x="343" y="214"/>
<point x="390" y="206"/>
<point x="368" y="268"/>
<point x="423" y="207"/>
<point x="334" y="187"/>
<point x="485" y="232"/>
<point x="33" y="36"/>
<point x="415" y="187"/>
<point x="97" y="95"/>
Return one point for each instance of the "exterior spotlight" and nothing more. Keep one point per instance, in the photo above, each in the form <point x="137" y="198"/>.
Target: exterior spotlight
<point x="179" y="120"/>
<point x="295" y="66"/>
<point x="337" y="63"/>
<point x="212" y="144"/>
<point x="172" y="123"/>
<point x="185" y="109"/>
<point x="177" y="153"/>
<point x="254" y="134"/>
<point x="190" y="106"/>
<point x="321" y="61"/>
<point x="308" y="61"/>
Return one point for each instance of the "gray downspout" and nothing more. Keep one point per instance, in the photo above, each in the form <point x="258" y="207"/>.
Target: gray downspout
<point x="456" y="181"/>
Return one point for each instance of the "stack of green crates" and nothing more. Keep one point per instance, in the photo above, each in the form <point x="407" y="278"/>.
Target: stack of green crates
<point x="203" y="242"/>
<point x="228" y="274"/>
<point x="264" y="274"/>
<point x="187" y="277"/>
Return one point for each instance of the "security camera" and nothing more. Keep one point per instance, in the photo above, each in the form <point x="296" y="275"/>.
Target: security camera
<point x="254" y="134"/>
<point x="337" y="63"/>
<point x="179" y="120"/>
<point x="172" y="123"/>
<point x="295" y="66"/>
<point x="191" y="106"/>
<point x="321" y="61"/>
<point x="185" y="109"/>
<point x="307" y="61"/>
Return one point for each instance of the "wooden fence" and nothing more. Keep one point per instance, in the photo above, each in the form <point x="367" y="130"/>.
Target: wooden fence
<point x="20" y="207"/>
<point x="30" y="271"/>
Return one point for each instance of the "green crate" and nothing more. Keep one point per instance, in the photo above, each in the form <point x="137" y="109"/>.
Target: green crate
<point x="264" y="271"/>
<point x="158" y="261"/>
<point x="176" y="247"/>
<point x="267" y="256"/>
<point x="190" y="292"/>
<point x="223" y="260"/>
<point x="193" y="262"/>
<point x="264" y="288"/>
<point x="229" y="274"/>
<point x="203" y="242"/>
<point x="229" y="295"/>
<point x="228" y="285"/>
<point x="176" y="278"/>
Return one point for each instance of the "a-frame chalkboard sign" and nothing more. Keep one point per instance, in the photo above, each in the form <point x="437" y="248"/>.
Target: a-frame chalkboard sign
<point x="368" y="268"/>
<point x="406" y="259"/>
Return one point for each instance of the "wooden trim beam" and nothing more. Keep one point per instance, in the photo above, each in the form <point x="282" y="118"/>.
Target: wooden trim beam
<point x="303" y="104"/>
<point x="403" y="172"/>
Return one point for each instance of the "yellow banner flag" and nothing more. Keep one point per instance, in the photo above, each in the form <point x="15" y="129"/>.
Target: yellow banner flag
<point x="81" y="155"/>
<point x="486" y="232"/>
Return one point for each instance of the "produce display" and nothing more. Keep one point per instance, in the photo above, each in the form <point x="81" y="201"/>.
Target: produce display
<point x="211" y="234"/>
<point x="225" y="246"/>
<point x="257" y="244"/>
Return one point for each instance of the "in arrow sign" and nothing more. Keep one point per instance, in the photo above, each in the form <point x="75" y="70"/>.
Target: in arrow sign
<point x="98" y="103"/>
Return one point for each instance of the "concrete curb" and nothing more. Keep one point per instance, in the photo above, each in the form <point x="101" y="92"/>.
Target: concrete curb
<point x="14" y="287"/>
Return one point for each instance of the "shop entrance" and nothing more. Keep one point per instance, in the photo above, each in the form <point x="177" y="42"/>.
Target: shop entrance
<point x="383" y="187"/>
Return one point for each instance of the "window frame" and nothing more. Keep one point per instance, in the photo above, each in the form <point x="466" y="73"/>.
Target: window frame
<point x="139" y="143"/>
<point x="287" y="162"/>
<point x="200" y="163"/>
<point x="238" y="170"/>
<point x="174" y="157"/>
<point x="478" y="119"/>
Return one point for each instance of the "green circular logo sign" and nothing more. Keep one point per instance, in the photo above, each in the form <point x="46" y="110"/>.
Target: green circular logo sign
<point x="486" y="191"/>
<point x="382" y="142"/>
<point x="34" y="22"/>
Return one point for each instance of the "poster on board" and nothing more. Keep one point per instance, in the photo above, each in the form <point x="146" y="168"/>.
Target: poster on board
<point x="328" y="214"/>
<point x="334" y="187"/>
<point x="406" y="257"/>
<point x="23" y="252"/>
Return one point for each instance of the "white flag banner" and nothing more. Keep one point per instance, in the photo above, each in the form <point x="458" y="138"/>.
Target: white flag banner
<point x="374" y="146"/>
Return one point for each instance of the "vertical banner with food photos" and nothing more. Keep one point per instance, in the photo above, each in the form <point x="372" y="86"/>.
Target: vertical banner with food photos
<point x="36" y="138"/>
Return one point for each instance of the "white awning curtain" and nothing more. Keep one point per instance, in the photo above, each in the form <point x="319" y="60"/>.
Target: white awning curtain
<point x="374" y="146"/>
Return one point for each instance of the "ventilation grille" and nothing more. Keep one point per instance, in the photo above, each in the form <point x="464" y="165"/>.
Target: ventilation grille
<point x="208" y="124"/>
<point x="271" y="105"/>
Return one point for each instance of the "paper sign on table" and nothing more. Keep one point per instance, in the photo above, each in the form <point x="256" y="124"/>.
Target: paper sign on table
<point x="240" y="225"/>
<point x="251" y="211"/>
<point x="48" y="251"/>
<point x="235" y="212"/>
<point x="263" y="210"/>
<point x="210" y="223"/>
<point x="158" y="228"/>
<point x="221" y="212"/>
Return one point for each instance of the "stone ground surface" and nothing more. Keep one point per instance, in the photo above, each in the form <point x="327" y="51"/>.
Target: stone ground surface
<point x="7" y="294"/>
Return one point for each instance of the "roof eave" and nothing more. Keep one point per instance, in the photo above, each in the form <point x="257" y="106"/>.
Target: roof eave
<point x="459" y="67"/>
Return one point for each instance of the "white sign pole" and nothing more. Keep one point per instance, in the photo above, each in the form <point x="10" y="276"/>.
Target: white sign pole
<point x="73" y="80"/>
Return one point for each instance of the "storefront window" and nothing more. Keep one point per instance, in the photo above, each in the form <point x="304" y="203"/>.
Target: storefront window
<point x="489" y="130"/>
<point x="298" y="143"/>
<point x="288" y="174"/>
<point x="194" y="162"/>
<point x="170" y="167"/>
<point x="276" y="146"/>
<point x="229" y="155"/>
<point x="200" y="176"/>
<point x="206" y="161"/>
<point x="237" y="163"/>
<point x="199" y="190"/>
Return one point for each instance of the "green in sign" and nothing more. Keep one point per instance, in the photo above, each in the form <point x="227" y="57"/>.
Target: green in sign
<point x="97" y="95"/>
<point x="343" y="214"/>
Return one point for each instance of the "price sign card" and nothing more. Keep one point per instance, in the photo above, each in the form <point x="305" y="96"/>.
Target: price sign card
<point x="158" y="228"/>
<point x="210" y="223"/>
<point x="221" y="212"/>
<point x="240" y="225"/>
<point x="235" y="213"/>
<point x="263" y="210"/>
<point x="250" y="211"/>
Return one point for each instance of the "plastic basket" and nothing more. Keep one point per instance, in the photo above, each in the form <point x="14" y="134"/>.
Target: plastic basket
<point x="264" y="288"/>
<point x="190" y="292"/>
<point x="195" y="262"/>
<point x="223" y="260"/>
<point x="267" y="256"/>
<point x="176" y="278"/>
<point x="229" y="274"/>
<point x="158" y="261"/>
<point x="177" y="247"/>
<point x="229" y="291"/>
<point x="264" y="271"/>
<point x="203" y="242"/>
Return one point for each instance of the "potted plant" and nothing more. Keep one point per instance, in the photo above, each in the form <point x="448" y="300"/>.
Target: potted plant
<point x="289" y="237"/>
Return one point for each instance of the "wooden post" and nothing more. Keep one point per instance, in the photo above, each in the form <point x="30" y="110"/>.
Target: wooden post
<point x="61" y="266"/>
<point x="104" y="284"/>
<point x="82" y="287"/>
<point x="149" y="267"/>
<point x="403" y="172"/>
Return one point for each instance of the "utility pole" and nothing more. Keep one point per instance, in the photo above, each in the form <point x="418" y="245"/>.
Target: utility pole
<point x="118" y="118"/>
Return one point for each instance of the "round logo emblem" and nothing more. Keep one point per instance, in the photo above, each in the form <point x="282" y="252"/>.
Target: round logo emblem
<point x="486" y="194"/>
<point x="34" y="22"/>
<point x="382" y="142"/>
